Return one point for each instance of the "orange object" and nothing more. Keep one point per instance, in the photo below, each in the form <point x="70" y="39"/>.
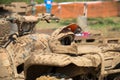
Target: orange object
<point x="73" y="27"/>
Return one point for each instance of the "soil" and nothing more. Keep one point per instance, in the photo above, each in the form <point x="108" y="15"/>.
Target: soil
<point x="107" y="33"/>
<point x="45" y="31"/>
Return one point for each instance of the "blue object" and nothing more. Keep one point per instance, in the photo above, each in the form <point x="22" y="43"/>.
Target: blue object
<point x="48" y="5"/>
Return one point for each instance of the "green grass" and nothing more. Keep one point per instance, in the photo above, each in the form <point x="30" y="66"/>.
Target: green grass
<point x="108" y="26"/>
<point x="38" y="1"/>
<point x="53" y="24"/>
<point x="111" y="23"/>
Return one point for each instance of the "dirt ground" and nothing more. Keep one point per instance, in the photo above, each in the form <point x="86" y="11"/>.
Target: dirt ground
<point x="104" y="33"/>
<point x="45" y="31"/>
<point x="48" y="28"/>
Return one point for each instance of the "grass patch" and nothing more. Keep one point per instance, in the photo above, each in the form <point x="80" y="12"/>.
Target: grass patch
<point x="38" y="1"/>
<point x="53" y="24"/>
<point x="67" y="21"/>
<point x="110" y="23"/>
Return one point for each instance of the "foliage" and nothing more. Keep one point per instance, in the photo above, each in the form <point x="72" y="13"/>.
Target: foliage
<point x="38" y="1"/>
<point x="9" y="1"/>
<point x="67" y="21"/>
<point x="111" y="23"/>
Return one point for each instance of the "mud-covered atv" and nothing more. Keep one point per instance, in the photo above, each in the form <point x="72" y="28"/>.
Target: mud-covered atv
<point x="16" y="44"/>
<point x="18" y="25"/>
<point x="21" y="8"/>
<point x="48" y="17"/>
<point x="60" y="58"/>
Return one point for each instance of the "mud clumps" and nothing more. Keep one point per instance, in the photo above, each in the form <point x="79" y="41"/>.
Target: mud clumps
<point x="47" y="78"/>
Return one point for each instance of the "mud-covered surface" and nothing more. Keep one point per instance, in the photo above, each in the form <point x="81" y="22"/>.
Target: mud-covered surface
<point x="4" y="27"/>
<point x="103" y="35"/>
<point x="47" y="78"/>
<point x="45" y="31"/>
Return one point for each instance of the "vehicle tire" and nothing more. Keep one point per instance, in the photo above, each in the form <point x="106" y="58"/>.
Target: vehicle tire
<point x="117" y="77"/>
<point x="53" y="77"/>
<point x="114" y="77"/>
<point x="85" y="77"/>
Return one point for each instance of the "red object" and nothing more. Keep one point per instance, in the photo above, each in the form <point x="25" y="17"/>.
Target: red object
<point x="85" y="34"/>
<point x="73" y="27"/>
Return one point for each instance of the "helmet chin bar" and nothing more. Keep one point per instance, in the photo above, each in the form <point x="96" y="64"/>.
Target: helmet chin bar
<point x="66" y="40"/>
